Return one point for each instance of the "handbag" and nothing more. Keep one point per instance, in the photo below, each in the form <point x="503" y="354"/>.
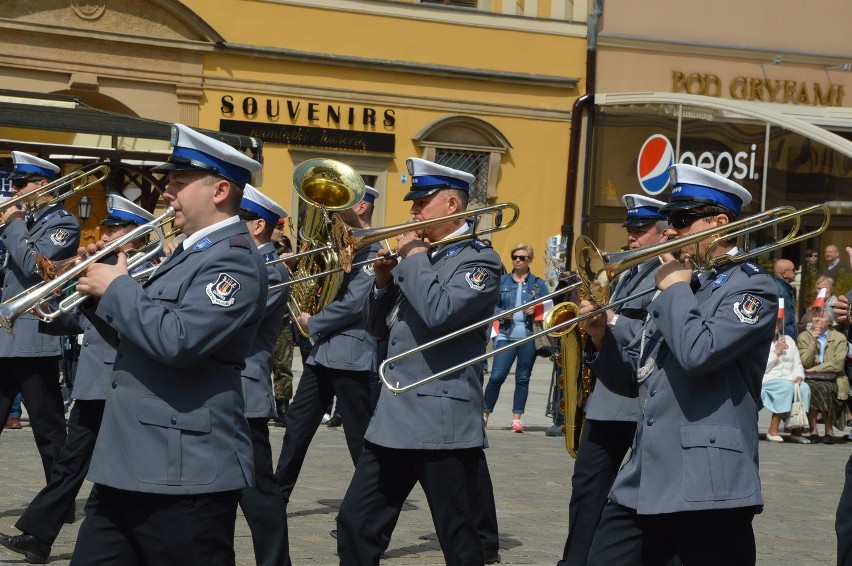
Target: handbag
<point x="821" y="376"/>
<point x="798" y="416"/>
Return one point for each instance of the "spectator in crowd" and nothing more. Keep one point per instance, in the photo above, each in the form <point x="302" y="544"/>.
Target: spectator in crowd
<point x="823" y="354"/>
<point x="516" y="288"/>
<point x="14" y="420"/>
<point x="785" y="274"/>
<point x="827" y="283"/>
<point x="832" y="262"/>
<point x="282" y="358"/>
<point x="783" y="371"/>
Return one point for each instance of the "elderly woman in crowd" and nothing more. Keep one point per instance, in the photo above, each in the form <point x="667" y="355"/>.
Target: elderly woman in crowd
<point x="823" y="353"/>
<point x="783" y="371"/>
<point x="827" y="283"/>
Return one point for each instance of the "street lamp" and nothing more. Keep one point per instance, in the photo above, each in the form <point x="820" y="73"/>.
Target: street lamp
<point x="84" y="207"/>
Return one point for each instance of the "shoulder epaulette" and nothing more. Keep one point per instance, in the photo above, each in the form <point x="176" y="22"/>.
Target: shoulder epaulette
<point x="239" y="242"/>
<point x="751" y="268"/>
<point x="478" y="244"/>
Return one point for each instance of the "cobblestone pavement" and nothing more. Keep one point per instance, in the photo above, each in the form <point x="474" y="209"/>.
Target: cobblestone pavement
<point x="532" y="477"/>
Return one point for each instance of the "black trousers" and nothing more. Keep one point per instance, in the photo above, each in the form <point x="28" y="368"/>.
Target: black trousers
<point x="317" y="387"/>
<point x="263" y="504"/>
<point x="699" y="538"/>
<point x="603" y="445"/>
<point x="843" y="524"/>
<point x="383" y="480"/>
<point x="134" y="528"/>
<point x="45" y="515"/>
<point x="38" y="381"/>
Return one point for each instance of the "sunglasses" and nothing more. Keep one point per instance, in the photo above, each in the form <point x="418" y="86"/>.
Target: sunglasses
<point x="21" y="183"/>
<point x="520" y="257"/>
<point x="681" y="221"/>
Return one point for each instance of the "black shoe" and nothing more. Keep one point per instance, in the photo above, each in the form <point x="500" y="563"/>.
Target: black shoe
<point x="828" y="440"/>
<point x="333" y="533"/>
<point x="491" y="556"/>
<point x="336" y="420"/>
<point x="815" y="439"/>
<point x="33" y="549"/>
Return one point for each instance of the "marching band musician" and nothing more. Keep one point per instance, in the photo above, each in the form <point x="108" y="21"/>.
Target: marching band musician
<point x="263" y="504"/>
<point x="42" y="520"/>
<point x="611" y="418"/>
<point x="29" y="360"/>
<point x="435" y="435"/>
<point x="691" y="485"/>
<point x="174" y="450"/>
<point x="339" y="363"/>
<point x="842" y="311"/>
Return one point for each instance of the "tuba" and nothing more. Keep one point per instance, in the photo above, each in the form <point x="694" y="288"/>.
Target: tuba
<point x="326" y="186"/>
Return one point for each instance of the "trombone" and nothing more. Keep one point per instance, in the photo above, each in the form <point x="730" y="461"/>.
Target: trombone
<point x="32" y="299"/>
<point x="597" y="269"/>
<point x="99" y="173"/>
<point x="347" y="240"/>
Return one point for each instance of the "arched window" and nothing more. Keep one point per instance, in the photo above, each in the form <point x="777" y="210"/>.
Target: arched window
<point x="468" y="144"/>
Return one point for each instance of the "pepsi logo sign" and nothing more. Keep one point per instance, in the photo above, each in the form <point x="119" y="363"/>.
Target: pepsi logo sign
<point x="657" y="155"/>
<point x="652" y="168"/>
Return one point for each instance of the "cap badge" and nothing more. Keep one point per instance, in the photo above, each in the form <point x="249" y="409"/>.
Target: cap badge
<point x="673" y="176"/>
<point x="630" y="202"/>
<point x="221" y="292"/>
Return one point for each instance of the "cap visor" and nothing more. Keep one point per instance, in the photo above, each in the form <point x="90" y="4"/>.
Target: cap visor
<point x="19" y="175"/>
<point x="112" y="221"/>
<point x="639" y="222"/>
<point x="421" y="193"/>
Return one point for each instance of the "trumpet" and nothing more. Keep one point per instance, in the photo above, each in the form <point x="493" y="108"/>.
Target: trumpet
<point x="597" y="269"/>
<point x="347" y="240"/>
<point x="79" y="179"/>
<point x="32" y="299"/>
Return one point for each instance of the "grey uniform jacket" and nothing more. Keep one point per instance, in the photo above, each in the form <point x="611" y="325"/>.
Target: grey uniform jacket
<point x="97" y="356"/>
<point x="257" y="375"/>
<point x="603" y="404"/>
<point x="341" y="340"/>
<point x="173" y="422"/>
<point x="696" y="444"/>
<point x="428" y="298"/>
<point x="55" y="234"/>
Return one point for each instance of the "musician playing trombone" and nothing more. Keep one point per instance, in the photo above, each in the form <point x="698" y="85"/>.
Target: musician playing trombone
<point x="610" y="423"/>
<point x="434" y="436"/>
<point x="691" y="485"/>
<point x="29" y="360"/>
<point x="42" y="520"/>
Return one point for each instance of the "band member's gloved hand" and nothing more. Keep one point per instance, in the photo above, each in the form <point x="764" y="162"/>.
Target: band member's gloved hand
<point x="673" y="271"/>
<point x="13" y="213"/>
<point x="594" y="327"/>
<point x="98" y="276"/>
<point x="382" y="268"/>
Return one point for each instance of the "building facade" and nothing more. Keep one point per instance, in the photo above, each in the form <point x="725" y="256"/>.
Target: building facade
<point x="750" y="92"/>
<point x="486" y="87"/>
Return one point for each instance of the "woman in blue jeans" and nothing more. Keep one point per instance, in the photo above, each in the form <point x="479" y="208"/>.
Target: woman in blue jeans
<point x="518" y="287"/>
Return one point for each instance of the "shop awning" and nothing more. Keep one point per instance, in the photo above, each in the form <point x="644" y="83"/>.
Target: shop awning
<point x="67" y="114"/>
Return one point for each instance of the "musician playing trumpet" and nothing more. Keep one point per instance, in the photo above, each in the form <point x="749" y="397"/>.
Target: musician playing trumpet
<point x="691" y="486"/>
<point x="29" y="359"/>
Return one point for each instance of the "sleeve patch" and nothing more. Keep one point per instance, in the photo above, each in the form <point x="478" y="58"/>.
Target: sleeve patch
<point x="60" y="237"/>
<point x="476" y="278"/>
<point x="747" y="309"/>
<point x="221" y="292"/>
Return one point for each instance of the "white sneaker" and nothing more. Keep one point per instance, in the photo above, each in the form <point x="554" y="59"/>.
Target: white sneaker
<point x="773" y="438"/>
<point x="325" y="418"/>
